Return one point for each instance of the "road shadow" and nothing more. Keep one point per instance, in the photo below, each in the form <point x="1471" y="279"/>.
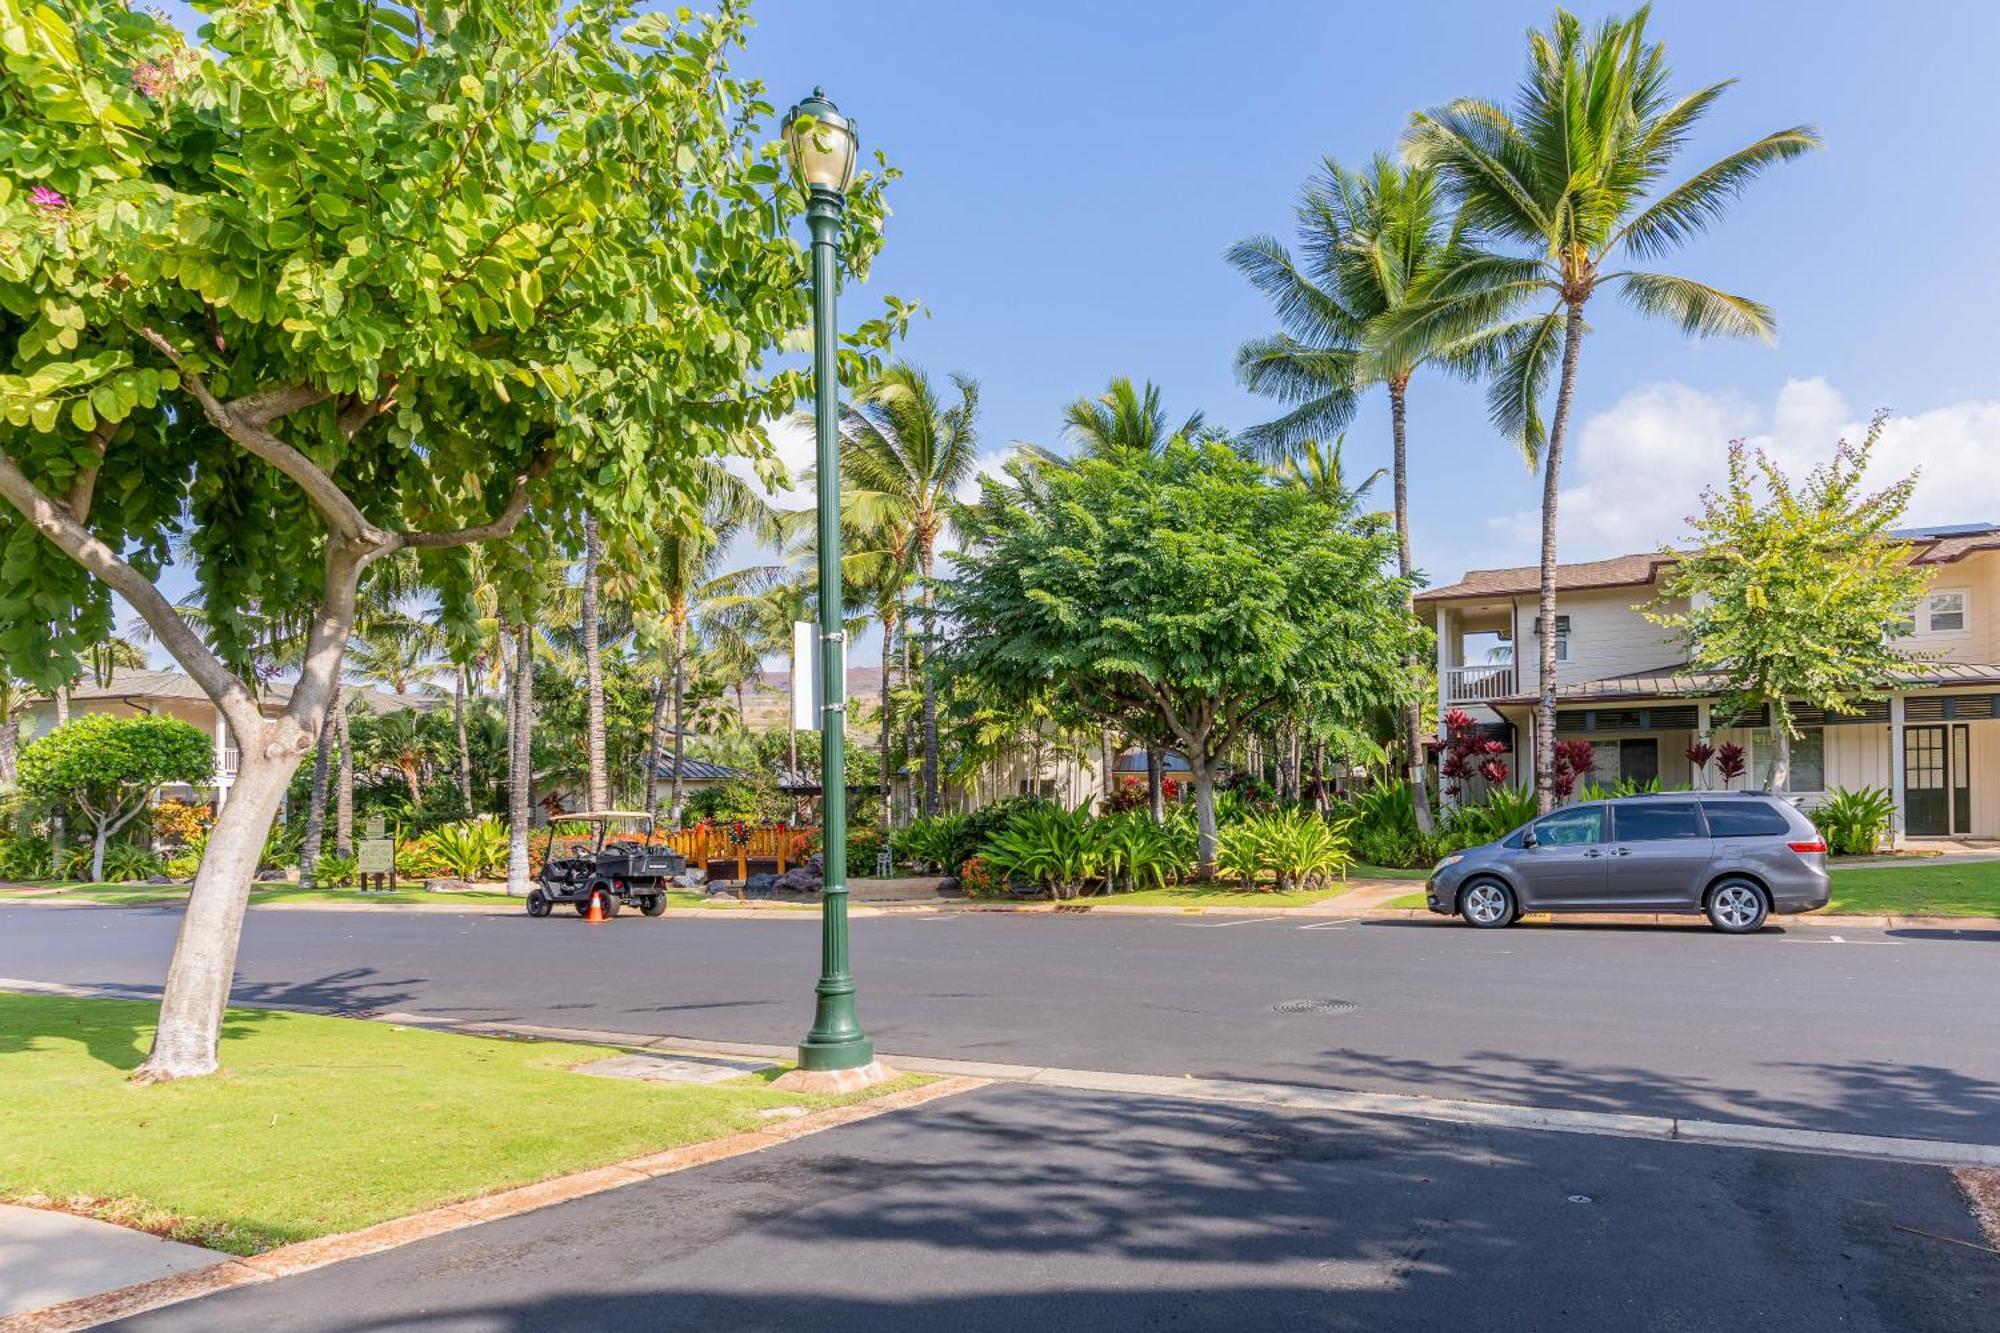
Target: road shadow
<point x="1018" y="1208"/>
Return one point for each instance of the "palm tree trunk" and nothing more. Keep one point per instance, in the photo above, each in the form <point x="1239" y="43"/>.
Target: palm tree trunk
<point x="680" y="709"/>
<point x="464" y="747"/>
<point x="57" y="827"/>
<point x="521" y="777"/>
<point x="1110" y="756"/>
<point x="595" y="783"/>
<point x="888" y="618"/>
<point x="316" y="807"/>
<point x="1545" y="618"/>
<point x="10" y="747"/>
<point x="1413" y="712"/>
<point x="654" y="734"/>
<point x="343" y="785"/>
<point x="931" y="806"/>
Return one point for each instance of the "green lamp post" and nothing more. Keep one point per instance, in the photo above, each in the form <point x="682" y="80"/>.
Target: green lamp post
<point x="823" y="148"/>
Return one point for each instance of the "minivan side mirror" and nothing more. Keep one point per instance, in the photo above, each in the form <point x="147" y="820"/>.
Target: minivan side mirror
<point x="1528" y="838"/>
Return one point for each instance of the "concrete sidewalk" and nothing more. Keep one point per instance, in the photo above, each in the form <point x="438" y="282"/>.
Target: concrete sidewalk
<point x="49" y="1257"/>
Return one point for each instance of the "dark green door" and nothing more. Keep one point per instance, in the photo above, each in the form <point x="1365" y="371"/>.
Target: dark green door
<point x="1926" y="786"/>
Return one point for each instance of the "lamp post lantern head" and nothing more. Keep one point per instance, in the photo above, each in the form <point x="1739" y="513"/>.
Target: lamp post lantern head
<point x="823" y="144"/>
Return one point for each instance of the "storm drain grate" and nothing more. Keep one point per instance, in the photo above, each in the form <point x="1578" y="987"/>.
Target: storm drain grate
<point x="1320" y="1006"/>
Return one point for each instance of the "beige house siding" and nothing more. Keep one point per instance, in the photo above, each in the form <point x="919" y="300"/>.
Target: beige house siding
<point x="1607" y="636"/>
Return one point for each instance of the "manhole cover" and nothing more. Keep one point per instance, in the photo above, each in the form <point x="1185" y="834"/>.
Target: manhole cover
<point x="1316" y="1007"/>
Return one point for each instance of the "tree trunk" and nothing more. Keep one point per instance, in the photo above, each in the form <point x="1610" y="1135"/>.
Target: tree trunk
<point x="343" y="802"/>
<point x="1545" y="616"/>
<point x="680" y="718"/>
<point x="464" y="747"/>
<point x="888" y="657"/>
<point x="931" y="805"/>
<point x="197" y="991"/>
<point x="1780" y="775"/>
<point x="10" y="747"/>
<point x="1319" y="776"/>
<point x="410" y="781"/>
<point x="316" y="807"/>
<point x="98" y="839"/>
<point x="58" y="825"/>
<point x="521" y="775"/>
<point x="1156" y="784"/>
<point x="1204" y="810"/>
<point x="654" y="732"/>
<point x="1413" y="712"/>
<point x="596" y="783"/>
<point x="1109" y="749"/>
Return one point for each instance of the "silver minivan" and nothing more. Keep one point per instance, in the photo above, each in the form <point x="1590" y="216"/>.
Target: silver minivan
<point x="1735" y="856"/>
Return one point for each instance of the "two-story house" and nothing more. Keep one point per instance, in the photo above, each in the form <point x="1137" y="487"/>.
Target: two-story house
<point x="1625" y="686"/>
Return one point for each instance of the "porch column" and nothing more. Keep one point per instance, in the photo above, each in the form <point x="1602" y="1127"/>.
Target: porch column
<point x="1444" y="694"/>
<point x="1701" y="725"/>
<point x="221" y="748"/>
<point x="1896" y="779"/>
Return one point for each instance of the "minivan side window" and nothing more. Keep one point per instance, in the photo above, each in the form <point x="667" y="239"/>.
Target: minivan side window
<point x="1658" y="821"/>
<point x="1745" y="819"/>
<point x="1571" y="828"/>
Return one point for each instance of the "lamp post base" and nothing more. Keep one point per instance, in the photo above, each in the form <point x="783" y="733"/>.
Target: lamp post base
<point x="822" y="1082"/>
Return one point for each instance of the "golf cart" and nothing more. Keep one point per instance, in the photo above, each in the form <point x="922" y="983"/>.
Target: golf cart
<point x="615" y="863"/>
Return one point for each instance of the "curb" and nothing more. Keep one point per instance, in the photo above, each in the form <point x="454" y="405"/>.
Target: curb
<point x="303" y="1257"/>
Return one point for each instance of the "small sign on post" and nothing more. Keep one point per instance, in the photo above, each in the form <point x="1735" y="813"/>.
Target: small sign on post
<point x="808" y="676"/>
<point x="376" y="856"/>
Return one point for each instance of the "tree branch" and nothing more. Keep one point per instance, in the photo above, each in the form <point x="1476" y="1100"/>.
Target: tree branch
<point x="500" y="526"/>
<point x="246" y="420"/>
<point x="60" y="526"/>
<point x="83" y="486"/>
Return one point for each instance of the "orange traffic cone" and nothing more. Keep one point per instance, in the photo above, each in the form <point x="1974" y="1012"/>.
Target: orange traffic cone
<point x="596" y="912"/>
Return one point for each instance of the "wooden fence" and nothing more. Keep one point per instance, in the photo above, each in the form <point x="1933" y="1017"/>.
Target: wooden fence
<point x="743" y="849"/>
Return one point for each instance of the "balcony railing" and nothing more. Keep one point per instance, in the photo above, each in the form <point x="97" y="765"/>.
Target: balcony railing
<point x="1478" y="684"/>
<point x="231" y="758"/>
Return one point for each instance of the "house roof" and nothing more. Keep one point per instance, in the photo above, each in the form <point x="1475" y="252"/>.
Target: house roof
<point x="139" y="685"/>
<point x="1134" y="761"/>
<point x="1930" y="546"/>
<point x="696" y="770"/>
<point x="1681" y="683"/>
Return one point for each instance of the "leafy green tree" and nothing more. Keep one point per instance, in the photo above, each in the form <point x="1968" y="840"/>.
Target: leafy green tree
<point x="1793" y="592"/>
<point x="903" y="456"/>
<point x="1571" y="176"/>
<point x="347" y="280"/>
<point x="108" y="766"/>
<point x="1373" y="244"/>
<point x="1124" y="418"/>
<point x="1142" y="590"/>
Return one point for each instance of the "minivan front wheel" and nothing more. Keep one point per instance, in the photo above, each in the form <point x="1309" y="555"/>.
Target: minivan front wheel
<point x="1737" y="907"/>
<point x="1487" y="904"/>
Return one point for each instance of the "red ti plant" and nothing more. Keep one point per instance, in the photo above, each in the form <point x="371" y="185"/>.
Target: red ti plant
<point x="1574" y="762"/>
<point x="1729" y="763"/>
<point x="1698" y="756"/>
<point x="1467" y="751"/>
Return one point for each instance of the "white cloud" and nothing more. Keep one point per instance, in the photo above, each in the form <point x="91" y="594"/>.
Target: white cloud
<point x="1637" y="470"/>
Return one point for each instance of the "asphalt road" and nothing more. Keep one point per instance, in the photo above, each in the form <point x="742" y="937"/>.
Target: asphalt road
<point x="1882" y="1032"/>
<point x="1022" y="1207"/>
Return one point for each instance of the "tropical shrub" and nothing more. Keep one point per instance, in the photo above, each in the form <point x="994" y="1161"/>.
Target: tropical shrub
<point x="1387" y="806"/>
<point x="471" y="848"/>
<point x="1855" y="820"/>
<point x="928" y="841"/>
<point x="25" y="856"/>
<point x="1047" y="846"/>
<point x="184" y="863"/>
<point x="416" y="858"/>
<point x="725" y="803"/>
<point x="1298" y="848"/>
<point x="175" y="823"/>
<point x="281" y="848"/>
<point x="333" y="870"/>
<point x="124" y="863"/>
<point x="1730" y="761"/>
<point x="1136" y="853"/>
<point x="1130" y="794"/>
<point x="863" y="846"/>
<point x="1505" y="809"/>
<point x="976" y="879"/>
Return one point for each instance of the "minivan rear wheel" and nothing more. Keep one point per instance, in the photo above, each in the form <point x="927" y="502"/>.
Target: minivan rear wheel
<point x="1487" y="904"/>
<point x="1737" y="907"/>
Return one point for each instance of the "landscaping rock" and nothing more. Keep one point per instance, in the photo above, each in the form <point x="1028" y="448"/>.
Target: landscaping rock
<point x="271" y="877"/>
<point x="722" y="888"/>
<point x="449" y="886"/>
<point x="760" y="886"/>
<point x="950" y="887"/>
<point x="159" y="879"/>
<point x="807" y="878"/>
<point x="691" y="878"/>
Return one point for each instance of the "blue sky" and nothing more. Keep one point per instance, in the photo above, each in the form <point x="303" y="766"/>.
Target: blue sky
<point x="1073" y="173"/>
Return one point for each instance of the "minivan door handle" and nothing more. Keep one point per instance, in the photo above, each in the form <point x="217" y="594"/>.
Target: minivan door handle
<point x="1592" y="854"/>
<point x="1622" y="851"/>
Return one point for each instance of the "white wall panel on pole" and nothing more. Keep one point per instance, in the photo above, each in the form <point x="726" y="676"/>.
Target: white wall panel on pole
<point x="807" y="691"/>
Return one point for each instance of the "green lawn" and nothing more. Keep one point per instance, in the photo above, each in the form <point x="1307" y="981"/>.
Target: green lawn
<point x="1414" y="902"/>
<point x="1359" y="871"/>
<point x="1937" y="888"/>
<point x="1215" y="893"/>
<point x="317" y="1125"/>
<point x="131" y="894"/>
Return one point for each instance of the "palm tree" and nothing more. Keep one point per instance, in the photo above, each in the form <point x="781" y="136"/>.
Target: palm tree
<point x="1374" y="243"/>
<point x="1122" y="417"/>
<point x="687" y="578"/>
<point x="1570" y="176"/>
<point x="903" y="457"/>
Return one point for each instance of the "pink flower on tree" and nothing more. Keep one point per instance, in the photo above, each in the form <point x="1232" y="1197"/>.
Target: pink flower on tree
<point x="150" y="80"/>
<point x="48" y="200"/>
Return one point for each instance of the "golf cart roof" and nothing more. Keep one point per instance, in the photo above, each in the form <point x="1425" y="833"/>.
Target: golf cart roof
<point x="594" y="816"/>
